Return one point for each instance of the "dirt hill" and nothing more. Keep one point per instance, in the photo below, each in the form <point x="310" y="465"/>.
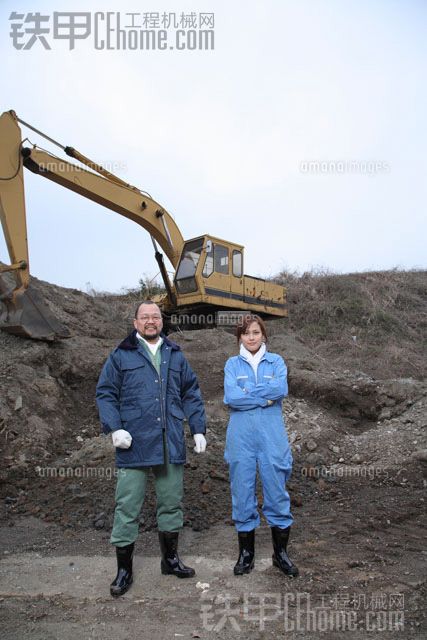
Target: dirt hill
<point x="356" y="353"/>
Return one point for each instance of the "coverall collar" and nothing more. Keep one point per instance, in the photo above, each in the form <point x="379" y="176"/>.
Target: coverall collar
<point x="267" y="356"/>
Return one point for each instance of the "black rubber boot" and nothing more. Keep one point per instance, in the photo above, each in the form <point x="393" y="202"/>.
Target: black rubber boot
<point x="280" y="555"/>
<point x="246" y="560"/>
<point x="171" y="563"/>
<point x="123" y="579"/>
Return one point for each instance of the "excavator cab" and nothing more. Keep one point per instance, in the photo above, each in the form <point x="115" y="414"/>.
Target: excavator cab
<point x="209" y="263"/>
<point x="210" y="274"/>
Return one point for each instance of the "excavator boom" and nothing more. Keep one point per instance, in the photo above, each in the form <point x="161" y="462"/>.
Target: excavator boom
<point x="24" y="312"/>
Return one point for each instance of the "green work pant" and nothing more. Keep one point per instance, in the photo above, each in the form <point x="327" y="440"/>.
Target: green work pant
<point x="130" y="494"/>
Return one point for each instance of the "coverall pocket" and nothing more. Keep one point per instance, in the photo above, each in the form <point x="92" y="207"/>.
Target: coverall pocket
<point x="242" y="381"/>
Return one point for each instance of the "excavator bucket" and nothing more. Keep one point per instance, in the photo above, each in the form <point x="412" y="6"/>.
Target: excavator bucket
<point x="26" y="315"/>
<point x="22" y="310"/>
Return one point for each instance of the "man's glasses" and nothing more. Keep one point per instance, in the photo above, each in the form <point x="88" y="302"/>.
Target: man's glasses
<point x="154" y="318"/>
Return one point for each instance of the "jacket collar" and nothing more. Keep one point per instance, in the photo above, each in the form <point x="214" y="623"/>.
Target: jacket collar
<point x="269" y="356"/>
<point x="131" y="342"/>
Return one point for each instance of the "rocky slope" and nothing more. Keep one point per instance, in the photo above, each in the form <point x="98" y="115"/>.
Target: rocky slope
<point x="356" y="418"/>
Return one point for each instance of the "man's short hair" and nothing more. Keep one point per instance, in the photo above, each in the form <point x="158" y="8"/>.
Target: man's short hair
<point x="144" y="302"/>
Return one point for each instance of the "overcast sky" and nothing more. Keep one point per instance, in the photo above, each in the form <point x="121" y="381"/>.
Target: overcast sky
<point x="227" y="139"/>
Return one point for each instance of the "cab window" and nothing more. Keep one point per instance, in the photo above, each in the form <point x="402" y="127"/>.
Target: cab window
<point x="237" y="264"/>
<point x="209" y="263"/>
<point x="216" y="260"/>
<point x="220" y="258"/>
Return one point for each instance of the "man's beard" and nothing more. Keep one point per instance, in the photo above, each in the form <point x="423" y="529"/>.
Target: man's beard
<point x="155" y="333"/>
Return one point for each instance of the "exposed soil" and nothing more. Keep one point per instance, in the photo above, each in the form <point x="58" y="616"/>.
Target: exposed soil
<point x="357" y="421"/>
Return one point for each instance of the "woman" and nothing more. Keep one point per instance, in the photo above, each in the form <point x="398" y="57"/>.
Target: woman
<point x="255" y="385"/>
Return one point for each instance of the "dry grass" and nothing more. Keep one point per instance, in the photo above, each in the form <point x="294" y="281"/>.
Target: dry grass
<point x="375" y="320"/>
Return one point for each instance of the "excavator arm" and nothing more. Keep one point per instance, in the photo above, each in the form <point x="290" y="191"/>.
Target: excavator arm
<point x="25" y="313"/>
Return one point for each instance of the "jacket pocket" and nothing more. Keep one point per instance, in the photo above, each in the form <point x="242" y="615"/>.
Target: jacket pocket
<point x="129" y="366"/>
<point x="177" y="412"/>
<point x="174" y="378"/>
<point x="130" y="414"/>
<point x="134" y="378"/>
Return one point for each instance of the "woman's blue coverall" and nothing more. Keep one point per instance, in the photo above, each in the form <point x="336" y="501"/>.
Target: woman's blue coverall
<point x="256" y="437"/>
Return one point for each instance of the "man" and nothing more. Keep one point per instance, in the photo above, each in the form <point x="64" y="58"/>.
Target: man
<point x="145" y="390"/>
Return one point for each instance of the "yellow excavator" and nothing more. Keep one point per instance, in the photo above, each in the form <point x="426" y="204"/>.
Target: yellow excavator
<point x="208" y="274"/>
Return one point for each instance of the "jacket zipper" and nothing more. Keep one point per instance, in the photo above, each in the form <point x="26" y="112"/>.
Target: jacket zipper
<point x="159" y="376"/>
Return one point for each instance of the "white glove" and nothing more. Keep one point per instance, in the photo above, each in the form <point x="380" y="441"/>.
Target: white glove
<point x="200" y="442"/>
<point x="121" y="439"/>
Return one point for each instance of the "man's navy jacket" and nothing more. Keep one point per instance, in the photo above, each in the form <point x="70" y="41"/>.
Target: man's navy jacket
<point x="131" y="395"/>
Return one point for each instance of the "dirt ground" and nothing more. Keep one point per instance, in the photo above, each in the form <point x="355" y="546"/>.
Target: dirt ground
<point x="358" y="432"/>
